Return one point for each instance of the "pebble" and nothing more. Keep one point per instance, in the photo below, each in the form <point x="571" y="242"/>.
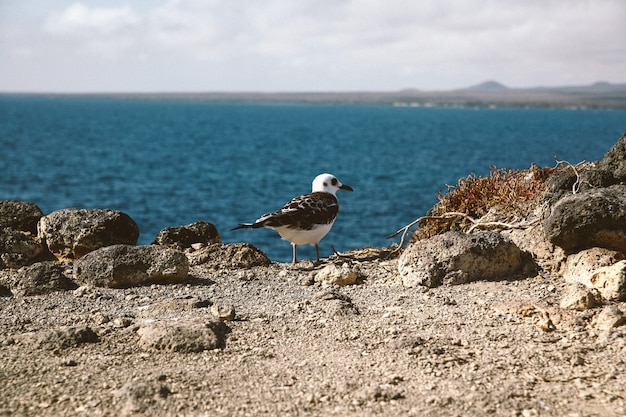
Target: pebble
<point x="225" y="312"/>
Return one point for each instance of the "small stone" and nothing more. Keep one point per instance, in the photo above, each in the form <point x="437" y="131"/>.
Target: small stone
<point x="336" y="275"/>
<point x="245" y="275"/>
<point x="122" y="322"/>
<point x="224" y="312"/>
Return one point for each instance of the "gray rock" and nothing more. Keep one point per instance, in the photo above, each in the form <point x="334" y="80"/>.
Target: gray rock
<point x="72" y="233"/>
<point x="591" y="218"/>
<point x="19" y="248"/>
<point x="587" y="176"/>
<point x="186" y="335"/>
<point x="122" y="266"/>
<point x="19" y="215"/>
<point x="231" y="256"/>
<point x="61" y="338"/>
<point x="614" y="160"/>
<point x="184" y="236"/>
<point x="455" y="258"/>
<point x="42" y="278"/>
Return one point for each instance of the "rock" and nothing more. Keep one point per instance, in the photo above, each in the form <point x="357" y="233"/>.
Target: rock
<point x="610" y="317"/>
<point x="186" y="335"/>
<point x="546" y="257"/>
<point x="42" y="278"/>
<point x="224" y="312"/>
<point x="614" y="160"/>
<point x="334" y="303"/>
<point x="585" y="177"/>
<point x="123" y="266"/>
<point x="140" y="396"/>
<point x="18" y="248"/>
<point x="19" y="215"/>
<point x="579" y="267"/>
<point x="61" y="338"/>
<point x="184" y="237"/>
<point x="455" y="258"/>
<point x="611" y="281"/>
<point x="337" y="275"/>
<point x="580" y="298"/>
<point x="73" y="233"/>
<point x="231" y="256"/>
<point x="591" y="218"/>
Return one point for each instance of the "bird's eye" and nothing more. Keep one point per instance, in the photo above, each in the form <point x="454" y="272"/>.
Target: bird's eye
<point x="335" y="181"/>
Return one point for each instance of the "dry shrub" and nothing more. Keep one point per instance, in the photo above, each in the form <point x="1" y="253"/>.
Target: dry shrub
<point x="509" y="193"/>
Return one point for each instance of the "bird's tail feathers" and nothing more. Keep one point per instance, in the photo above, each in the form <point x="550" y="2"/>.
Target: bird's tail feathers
<point x="247" y="226"/>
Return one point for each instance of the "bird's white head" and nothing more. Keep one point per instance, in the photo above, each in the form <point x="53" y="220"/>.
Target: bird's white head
<point x="328" y="183"/>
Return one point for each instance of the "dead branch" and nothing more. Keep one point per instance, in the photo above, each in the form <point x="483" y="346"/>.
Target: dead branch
<point x="475" y="224"/>
<point x="576" y="185"/>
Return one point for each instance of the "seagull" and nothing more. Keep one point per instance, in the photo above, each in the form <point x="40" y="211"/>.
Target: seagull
<point x="305" y="219"/>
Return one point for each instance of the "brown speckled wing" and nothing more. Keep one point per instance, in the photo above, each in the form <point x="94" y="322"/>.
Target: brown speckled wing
<point x="303" y="212"/>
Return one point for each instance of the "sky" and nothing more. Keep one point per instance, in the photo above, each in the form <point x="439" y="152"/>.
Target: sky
<point x="307" y="45"/>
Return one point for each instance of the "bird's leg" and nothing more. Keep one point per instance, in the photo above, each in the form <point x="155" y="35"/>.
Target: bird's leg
<point x="317" y="252"/>
<point x="295" y="250"/>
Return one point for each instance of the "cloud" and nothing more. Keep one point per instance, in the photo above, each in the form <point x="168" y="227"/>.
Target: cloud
<point x="325" y="44"/>
<point x="79" y="18"/>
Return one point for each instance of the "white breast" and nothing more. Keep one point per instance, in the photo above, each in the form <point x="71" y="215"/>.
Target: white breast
<point x="304" y="237"/>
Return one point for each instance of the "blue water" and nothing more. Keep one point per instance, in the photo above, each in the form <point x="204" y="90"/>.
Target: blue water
<point x="170" y="163"/>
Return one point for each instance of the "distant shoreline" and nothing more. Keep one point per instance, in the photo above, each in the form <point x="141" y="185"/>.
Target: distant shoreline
<point x="489" y="94"/>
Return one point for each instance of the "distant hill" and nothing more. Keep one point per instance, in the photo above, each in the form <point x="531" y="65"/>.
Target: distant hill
<point x="488" y="86"/>
<point x="487" y="94"/>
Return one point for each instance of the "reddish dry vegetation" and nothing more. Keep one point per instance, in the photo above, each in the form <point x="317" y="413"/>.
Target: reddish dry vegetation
<point x="514" y="193"/>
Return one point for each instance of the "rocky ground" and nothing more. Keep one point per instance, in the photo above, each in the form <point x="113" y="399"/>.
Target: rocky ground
<point x="301" y="347"/>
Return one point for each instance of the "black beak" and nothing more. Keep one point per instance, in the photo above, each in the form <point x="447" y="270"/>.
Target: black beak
<point x="346" y="187"/>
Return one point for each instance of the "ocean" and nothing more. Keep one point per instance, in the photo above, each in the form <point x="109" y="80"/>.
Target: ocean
<point x="168" y="163"/>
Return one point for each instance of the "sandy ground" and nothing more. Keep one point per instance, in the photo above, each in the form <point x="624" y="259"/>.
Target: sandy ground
<point x="297" y="347"/>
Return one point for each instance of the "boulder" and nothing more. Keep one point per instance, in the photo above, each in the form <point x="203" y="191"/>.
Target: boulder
<point x="42" y="278"/>
<point x="184" y="236"/>
<point x="455" y="258"/>
<point x="72" y="233"/>
<point x="231" y="256"/>
<point x="123" y="266"/>
<point x="19" y="215"/>
<point x="18" y="248"/>
<point x="614" y="160"/>
<point x="591" y="218"/>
